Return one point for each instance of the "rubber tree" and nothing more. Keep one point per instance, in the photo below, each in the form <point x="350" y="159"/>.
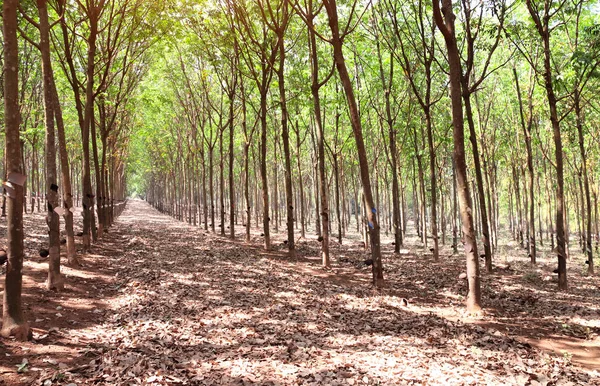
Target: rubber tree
<point x="415" y="50"/>
<point x="55" y="280"/>
<point x="444" y="18"/>
<point x="308" y="14"/>
<point x="13" y="320"/>
<point x="526" y="126"/>
<point x="542" y="13"/>
<point x="259" y="47"/>
<point x="474" y="25"/>
<point x="336" y="40"/>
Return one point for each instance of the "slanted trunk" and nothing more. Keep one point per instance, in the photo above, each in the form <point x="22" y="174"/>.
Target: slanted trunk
<point x="371" y="210"/>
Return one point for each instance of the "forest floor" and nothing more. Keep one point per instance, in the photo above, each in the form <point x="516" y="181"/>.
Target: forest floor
<point x="159" y="302"/>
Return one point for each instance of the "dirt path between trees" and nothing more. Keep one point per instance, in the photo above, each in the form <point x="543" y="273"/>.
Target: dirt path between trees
<point x="161" y="302"/>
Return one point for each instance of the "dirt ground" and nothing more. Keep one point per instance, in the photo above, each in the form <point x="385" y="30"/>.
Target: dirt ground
<point x="159" y="302"/>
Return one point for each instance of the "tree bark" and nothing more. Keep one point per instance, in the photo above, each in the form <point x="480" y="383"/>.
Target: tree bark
<point x="300" y="184"/>
<point x="285" y="133"/>
<point x="55" y="280"/>
<point x="323" y="191"/>
<point x="446" y="25"/>
<point x="543" y="29"/>
<point x="13" y="320"/>
<point x="340" y="63"/>
<point x="586" y="185"/>
<point x="527" y="132"/>
<point x="485" y="226"/>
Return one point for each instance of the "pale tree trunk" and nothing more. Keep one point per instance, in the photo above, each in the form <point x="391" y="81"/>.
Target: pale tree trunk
<point x="13" y="320"/>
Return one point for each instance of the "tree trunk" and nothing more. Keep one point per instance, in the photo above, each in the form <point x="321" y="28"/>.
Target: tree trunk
<point x="387" y="85"/>
<point x="301" y="184"/>
<point x="88" y="116"/>
<point x="323" y="191"/>
<point x="263" y="165"/>
<point x="221" y="183"/>
<point x="13" y="320"/>
<point x="336" y="171"/>
<point x="247" y="188"/>
<point x="454" y="211"/>
<point x="66" y="178"/>
<point x="55" y="280"/>
<point x="544" y="32"/>
<point x="211" y="187"/>
<point x="527" y="133"/>
<point x="231" y="180"/>
<point x="485" y="226"/>
<point x="434" y="230"/>
<point x="446" y="25"/>
<point x="97" y="231"/>
<point x="586" y="185"/>
<point x="285" y="135"/>
<point x="340" y="63"/>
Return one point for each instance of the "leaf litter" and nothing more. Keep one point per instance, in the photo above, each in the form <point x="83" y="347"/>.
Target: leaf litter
<point x="165" y="303"/>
